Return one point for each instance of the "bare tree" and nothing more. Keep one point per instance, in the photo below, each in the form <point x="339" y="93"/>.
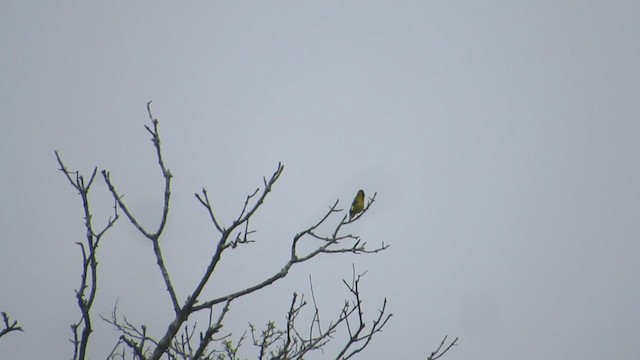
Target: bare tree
<point x="178" y="340"/>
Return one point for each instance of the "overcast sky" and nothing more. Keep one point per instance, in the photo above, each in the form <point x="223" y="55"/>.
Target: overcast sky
<point x="500" y="136"/>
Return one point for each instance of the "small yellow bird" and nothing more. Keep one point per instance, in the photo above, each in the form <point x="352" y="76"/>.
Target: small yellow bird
<point x="357" y="205"/>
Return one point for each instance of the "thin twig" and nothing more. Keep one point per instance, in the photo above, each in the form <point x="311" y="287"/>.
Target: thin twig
<point x="8" y="325"/>
<point x="437" y="353"/>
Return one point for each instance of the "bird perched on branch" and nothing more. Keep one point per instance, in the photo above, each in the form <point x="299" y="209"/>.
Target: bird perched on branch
<point x="357" y="205"/>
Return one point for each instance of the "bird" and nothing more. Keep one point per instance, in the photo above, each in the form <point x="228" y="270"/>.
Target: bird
<point x="357" y="205"/>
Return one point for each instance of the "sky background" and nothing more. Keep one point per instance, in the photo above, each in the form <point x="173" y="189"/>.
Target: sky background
<point x="500" y="136"/>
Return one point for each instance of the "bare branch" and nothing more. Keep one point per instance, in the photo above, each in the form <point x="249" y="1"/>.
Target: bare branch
<point x="9" y="326"/>
<point x="289" y="343"/>
<point x="439" y="352"/>
<point x="135" y="337"/>
<point x="89" y="275"/>
<point x="154" y="237"/>
<point x="358" y="338"/>
<point x="137" y="349"/>
<point x="326" y="247"/>
<point x="206" y="338"/>
<point x="207" y="204"/>
<point x="316" y="313"/>
<point x="182" y="313"/>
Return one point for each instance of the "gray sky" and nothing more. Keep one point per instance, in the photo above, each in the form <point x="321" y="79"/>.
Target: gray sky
<point x="501" y="137"/>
